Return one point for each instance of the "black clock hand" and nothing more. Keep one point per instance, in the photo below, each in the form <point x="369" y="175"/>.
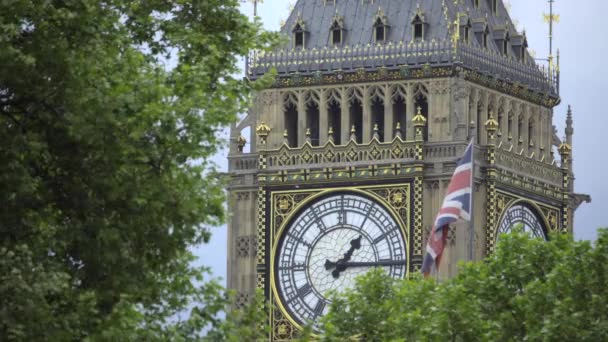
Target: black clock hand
<point x="367" y="263"/>
<point x="354" y="244"/>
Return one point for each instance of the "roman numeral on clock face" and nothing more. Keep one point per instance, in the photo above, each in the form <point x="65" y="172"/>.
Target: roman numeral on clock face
<point x="319" y="308"/>
<point x="305" y="290"/>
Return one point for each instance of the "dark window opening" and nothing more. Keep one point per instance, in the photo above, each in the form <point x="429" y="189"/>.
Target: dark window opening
<point x="378" y="118"/>
<point x="476" y="3"/>
<point x="299" y="39"/>
<point x="510" y="127"/>
<point x="312" y="123"/>
<point x="418" y="31"/>
<point x="356" y="119"/>
<point x="479" y="125"/>
<point x="335" y="122"/>
<point x="399" y="116"/>
<point x="380" y="33"/>
<point x="505" y="47"/>
<point x="465" y="36"/>
<point x="485" y="39"/>
<point x="531" y="133"/>
<point x="520" y="127"/>
<point x="495" y="6"/>
<point x="336" y="36"/>
<point x="291" y="125"/>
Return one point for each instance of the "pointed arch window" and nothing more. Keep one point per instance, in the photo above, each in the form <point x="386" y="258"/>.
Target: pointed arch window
<point x="380" y="27"/>
<point x="418" y="25"/>
<point x="418" y="28"/>
<point x="476" y="3"/>
<point x="485" y="38"/>
<point x="299" y="34"/>
<point x="522" y="51"/>
<point x="494" y="4"/>
<point x="465" y="31"/>
<point x="337" y="31"/>
<point x="505" y="44"/>
<point x="380" y="31"/>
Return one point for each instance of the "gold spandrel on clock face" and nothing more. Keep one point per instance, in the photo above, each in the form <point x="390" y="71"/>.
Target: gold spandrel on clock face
<point x="327" y="245"/>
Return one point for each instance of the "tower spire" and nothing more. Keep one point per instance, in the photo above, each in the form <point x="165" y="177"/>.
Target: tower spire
<point x="569" y="126"/>
<point x="252" y="54"/>
<point x="551" y="18"/>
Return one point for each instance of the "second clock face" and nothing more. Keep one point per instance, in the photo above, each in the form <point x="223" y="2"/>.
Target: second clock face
<point x="329" y="244"/>
<point x="520" y="215"/>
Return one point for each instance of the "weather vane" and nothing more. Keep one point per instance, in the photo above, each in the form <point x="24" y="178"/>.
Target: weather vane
<point x="254" y="53"/>
<point x="551" y="18"/>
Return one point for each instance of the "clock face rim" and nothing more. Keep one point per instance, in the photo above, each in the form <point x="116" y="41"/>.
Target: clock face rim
<point x="302" y="207"/>
<point x="533" y="208"/>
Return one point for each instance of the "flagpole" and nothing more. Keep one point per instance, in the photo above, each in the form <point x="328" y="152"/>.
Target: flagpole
<point x="471" y="203"/>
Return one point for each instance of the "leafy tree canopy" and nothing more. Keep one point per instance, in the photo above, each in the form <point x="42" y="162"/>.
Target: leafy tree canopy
<point x="103" y="157"/>
<point x="528" y="290"/>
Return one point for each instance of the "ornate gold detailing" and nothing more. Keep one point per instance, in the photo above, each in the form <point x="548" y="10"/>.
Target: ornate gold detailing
<point x="565" y="149"/>
<point x="418" y="221"/>
<point x="307" y="156"/>
<point x="262" y="131"/>
<point x="491" y="124"/>
<point x="548" y="214"/>
<point x="286" y="204"/>
<point x="419" y="120"/>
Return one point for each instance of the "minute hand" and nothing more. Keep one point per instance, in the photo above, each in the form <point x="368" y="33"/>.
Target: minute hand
<point x="368" y="263"/>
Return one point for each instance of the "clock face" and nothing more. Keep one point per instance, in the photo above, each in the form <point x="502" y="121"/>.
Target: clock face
<point x="329" y="244"/>
<point x="520" y="214"/>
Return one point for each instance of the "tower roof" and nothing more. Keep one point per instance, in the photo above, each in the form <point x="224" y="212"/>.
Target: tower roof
<point x="414" y="33"/>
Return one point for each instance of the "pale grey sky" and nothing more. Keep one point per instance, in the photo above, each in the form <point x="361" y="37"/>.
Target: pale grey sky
<point x="582" y="37"/>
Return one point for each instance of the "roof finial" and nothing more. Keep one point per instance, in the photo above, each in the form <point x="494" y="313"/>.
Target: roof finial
<point x="551" y="18"/>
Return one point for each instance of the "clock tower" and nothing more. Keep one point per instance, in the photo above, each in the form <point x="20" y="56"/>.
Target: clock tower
<point x="342" y="165"/>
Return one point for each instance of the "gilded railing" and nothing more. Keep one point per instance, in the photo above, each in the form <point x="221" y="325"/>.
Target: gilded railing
<point x="401" y="54"/>
<point x="335" y="155"/>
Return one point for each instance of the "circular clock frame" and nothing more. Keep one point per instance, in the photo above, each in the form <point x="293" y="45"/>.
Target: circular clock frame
<point x="302" y="208"/>
<point x="529" y="209"/>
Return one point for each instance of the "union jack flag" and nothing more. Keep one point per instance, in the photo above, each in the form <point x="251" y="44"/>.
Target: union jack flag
<point x="456" y="206"/>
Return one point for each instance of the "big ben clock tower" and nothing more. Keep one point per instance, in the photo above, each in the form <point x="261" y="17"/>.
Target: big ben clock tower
<point x="343" y="163"/>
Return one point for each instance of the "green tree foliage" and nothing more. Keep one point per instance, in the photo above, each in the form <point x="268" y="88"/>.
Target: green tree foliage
<point x="104" y="174"/>
<point x="528" y="290"/>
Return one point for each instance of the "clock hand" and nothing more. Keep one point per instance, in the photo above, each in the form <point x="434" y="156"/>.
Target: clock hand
<point x="366" y="263"/>
<point x="354" y="244"/>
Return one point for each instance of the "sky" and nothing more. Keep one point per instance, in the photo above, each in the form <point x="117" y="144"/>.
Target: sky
<point x="581" y="36"/>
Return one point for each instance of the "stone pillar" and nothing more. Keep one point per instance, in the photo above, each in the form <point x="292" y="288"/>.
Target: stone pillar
<point x="301" y="119"/>
<point x="389" y="127"/>
<point x="516" y="133"/>
<point x="522" y="143"/>
<point x="460" y="97"/>
<point x="344" y="117"/>
<point x="418" y="249"/>
<point x="491" y="127"/>
<point x="504" y="124"/>
<point x="323" y="117"/>
<point x="483" y="99"/>
<point x="565" y="150"/>
<point x="408" y="132"/>
<point x="367" y="117"/>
